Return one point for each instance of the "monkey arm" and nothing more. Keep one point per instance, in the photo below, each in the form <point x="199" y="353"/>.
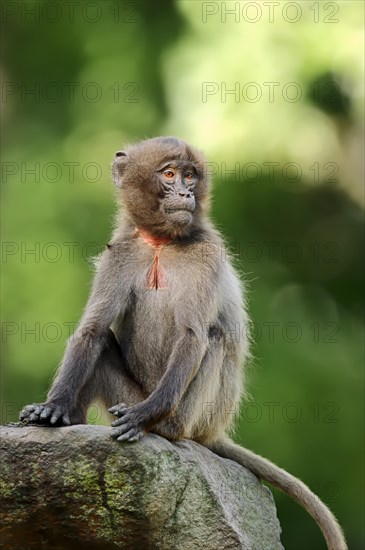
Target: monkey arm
<point x="183" y="365"/>
<point x="82" y="353"/>
<point x="107" y="300"/>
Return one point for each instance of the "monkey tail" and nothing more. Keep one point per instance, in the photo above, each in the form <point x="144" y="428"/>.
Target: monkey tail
<point x="296" y="489"/>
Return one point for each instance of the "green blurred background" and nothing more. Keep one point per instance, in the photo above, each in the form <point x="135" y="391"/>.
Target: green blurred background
<point x="80" y="80"/>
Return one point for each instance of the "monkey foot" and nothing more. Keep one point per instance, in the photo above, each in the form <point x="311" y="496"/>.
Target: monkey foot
<point x="45" y="413"/>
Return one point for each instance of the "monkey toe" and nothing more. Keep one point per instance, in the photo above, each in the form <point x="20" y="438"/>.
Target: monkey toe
<point x="52" y="414"/>
<point x="24" y="414"/>
<point x="34" y="418"/>
<point x="66" y="420"/>
<point x="46" y="413"/>
<point x="56" y="415"/>
<point x="30" y="413"/>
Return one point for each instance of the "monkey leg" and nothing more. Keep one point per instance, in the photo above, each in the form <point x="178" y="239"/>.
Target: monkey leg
<point x="183" y="417"/>
<point x="110" y="383"/>
<point x="206" y="408"/>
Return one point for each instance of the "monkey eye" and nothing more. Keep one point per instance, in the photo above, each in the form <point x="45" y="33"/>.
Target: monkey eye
<point x="169" y="174"/>
<point x="189" y="176"/>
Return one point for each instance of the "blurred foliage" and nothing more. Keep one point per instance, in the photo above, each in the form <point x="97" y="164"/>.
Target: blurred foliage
<point x="140" y="69"/>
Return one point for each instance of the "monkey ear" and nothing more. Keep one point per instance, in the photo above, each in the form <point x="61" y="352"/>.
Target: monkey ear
<point x="119" y="164"/>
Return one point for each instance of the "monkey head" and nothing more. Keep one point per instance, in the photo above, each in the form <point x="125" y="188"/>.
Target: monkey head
<point x="163" y="184"/>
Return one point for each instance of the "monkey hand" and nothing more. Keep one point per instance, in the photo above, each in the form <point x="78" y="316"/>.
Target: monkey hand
<point x="46" y="413"/>
<point x="129" y="426"/>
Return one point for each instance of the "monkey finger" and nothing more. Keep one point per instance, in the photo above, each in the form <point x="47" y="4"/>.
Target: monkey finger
<point x="39" y="409"/>
<point x="128" y="435"/>
<point x="120" y="421"/>
<point x="33" y="418"/>
<point x="120" y="412"/>
<point x="120" y="430"/>
<point x="136" y="437"/>
<point x="118" y="409"/>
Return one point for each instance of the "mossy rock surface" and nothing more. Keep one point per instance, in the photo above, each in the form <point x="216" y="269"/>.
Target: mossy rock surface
<point x="77" y="488"/>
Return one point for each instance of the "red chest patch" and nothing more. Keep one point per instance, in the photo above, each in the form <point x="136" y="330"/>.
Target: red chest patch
<point x="155" y="276"/>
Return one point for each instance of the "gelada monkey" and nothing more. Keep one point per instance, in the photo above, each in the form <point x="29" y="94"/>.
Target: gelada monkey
<point x="157" y="341"/>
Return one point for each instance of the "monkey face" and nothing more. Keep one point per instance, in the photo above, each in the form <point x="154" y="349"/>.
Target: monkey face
<point x="177" y="180"/>
<point x="163" y="185"/>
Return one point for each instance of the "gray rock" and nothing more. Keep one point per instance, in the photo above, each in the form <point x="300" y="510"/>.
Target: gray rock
<point x="77" y="488"/>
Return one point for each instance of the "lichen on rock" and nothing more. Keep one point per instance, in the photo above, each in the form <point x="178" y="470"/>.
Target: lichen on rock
<point x="76" y="487"/>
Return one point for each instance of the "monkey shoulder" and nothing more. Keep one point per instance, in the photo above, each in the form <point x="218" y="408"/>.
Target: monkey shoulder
<point x="120" y="252"/>
<point x="117" y="262"/>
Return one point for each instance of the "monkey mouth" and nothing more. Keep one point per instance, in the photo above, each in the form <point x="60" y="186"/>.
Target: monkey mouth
<point x="179" y="209"/>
